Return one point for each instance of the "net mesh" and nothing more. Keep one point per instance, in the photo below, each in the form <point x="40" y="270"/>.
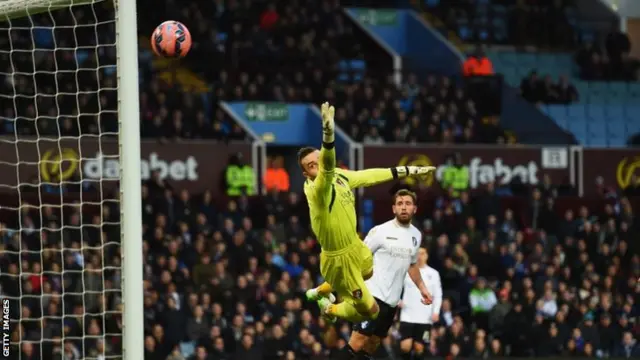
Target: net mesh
<point x="60" y="251"/>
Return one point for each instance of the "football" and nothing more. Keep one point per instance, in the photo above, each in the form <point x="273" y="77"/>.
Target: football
<point x="171" y="39"/>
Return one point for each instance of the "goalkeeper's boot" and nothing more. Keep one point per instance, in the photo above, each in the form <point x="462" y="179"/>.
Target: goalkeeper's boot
<point x="324" y="304"/>
<point x="314" y="295"/>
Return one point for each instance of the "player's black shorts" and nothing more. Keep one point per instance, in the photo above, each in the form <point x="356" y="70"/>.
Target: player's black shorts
<point x="417" y="332"/>
<point x="381" y="325"/>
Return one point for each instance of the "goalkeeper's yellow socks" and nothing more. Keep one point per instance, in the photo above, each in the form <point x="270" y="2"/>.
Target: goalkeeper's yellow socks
<point x="324" y="289"/>
<point x="347" y="311"/>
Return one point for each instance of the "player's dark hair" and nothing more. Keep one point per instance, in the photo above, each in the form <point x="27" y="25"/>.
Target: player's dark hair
<point x="302" y="153"/>
<point x="405" y="192"/>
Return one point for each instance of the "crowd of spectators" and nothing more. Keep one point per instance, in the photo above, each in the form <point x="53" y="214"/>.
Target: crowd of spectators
<point x="47" y="88"/>
<point x="264" y="37"/>
<point x="436" y="109"/>
<point x="422" y="110"/>
<point x="537" y="89"/>
<point x="227" y="280"/>
<point x="58" y="91"/>
<point x="609" y="59"/>
<point x="507" y="21"/>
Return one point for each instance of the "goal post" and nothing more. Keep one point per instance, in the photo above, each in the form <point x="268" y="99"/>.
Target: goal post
<point x="130" y="179"/>
<point x="13" y="9"/>
<point x="68" y="87"/>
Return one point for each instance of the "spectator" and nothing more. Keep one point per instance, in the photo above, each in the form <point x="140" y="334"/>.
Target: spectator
<point x="618" y="47"/>
<point x="530" y="87"/>
<point x="628" y="348"/>
<point x="239" y="177"/>
<point x="224" y="279"/>
<point x="478" y="64"/>
<point x="482" y="300"/>
<point x="269" y="17"/>
<point x="546" y="91"/>
<point x="197" y="326"/>
<point x="456" y="176"/>
<point x="567" y="93"/>
<point x="498" y="313"/>
<point x="276" y="177"/>
<point x="612" y="63"/>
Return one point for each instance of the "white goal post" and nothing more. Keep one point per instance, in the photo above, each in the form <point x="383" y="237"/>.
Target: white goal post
<point x="49" y="115"/>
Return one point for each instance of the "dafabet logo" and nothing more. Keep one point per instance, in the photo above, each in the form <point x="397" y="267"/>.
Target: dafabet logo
<point x="626" y="173"/>
<point x="417" y="160"/>
<point x="64" y="164"/>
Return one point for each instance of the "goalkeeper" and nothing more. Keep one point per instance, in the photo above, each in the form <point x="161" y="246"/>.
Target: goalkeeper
<point x="345" y="261"/>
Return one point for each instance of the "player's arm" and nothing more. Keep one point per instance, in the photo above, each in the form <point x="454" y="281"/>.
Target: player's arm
<point x="414" y="274"/>
<point x="416" y="277"/>
<point x="370" y="177"/>
<point x="327" y="162"/>
<point x="372" y="240"/>
<point x="437" y="293"/>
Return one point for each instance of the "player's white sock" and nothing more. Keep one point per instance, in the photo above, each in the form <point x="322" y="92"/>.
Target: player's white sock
<point x="332" y="298"/>
<point x="324" y="304"/>
<point x="314" y="295"/>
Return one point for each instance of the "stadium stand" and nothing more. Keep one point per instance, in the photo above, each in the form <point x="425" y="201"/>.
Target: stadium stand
<point x="592" y="55"/>
<point x="507" y="22"/>
<point x="301" y="74"/>
<point x="166" y="112"/>
<point x="435" y="110"/>
<point x="277" y="41"/>
<point x="225" y="278"/>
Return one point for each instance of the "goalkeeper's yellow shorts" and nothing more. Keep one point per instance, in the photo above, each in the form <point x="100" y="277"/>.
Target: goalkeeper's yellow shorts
<point x="345" y="270"/>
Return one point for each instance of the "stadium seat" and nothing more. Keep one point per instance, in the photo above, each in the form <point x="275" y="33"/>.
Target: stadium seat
<point x="633" y="127"/>
<point x="616" y="128"/>
<point x="43" y="38"/>
<point x="617" y="142"/>
<point x="578" y="125"/>
<point x="465" y="32"/>
<point x="597" y="127"/>
<point x="358" y="65"/>
<point x="597" y="141"/>
<point x="562" y="120"/>
<point x="598" y="88"/>
<point x="432" y="3"/>
<point x="577" y="111"/>
<point x="81" y="56"/>
<point x="619" y="88"/>
<point x="595" y="111"/>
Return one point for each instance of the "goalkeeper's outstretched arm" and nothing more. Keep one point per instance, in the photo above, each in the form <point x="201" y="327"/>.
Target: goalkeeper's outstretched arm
<point x="328" y="151"/>
<point x="327" y="160"/>
<point x="370" y="177"/>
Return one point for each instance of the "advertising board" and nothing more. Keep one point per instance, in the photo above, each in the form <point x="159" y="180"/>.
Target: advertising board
<point x="499" y="165"/>
<point x="196" y="166"/>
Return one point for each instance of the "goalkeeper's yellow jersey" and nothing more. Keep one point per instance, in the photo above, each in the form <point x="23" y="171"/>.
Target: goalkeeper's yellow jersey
<point x="332" y="202"/>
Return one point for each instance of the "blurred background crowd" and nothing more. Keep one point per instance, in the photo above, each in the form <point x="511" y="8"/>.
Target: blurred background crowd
<point x="225" y="271"/>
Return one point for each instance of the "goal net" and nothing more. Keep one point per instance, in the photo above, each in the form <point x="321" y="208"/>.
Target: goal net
<point x="60" y="255"/>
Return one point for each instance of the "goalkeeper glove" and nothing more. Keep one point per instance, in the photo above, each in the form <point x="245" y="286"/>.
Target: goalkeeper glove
<point x="404" y="171"/>
<point x="328" y="125"/>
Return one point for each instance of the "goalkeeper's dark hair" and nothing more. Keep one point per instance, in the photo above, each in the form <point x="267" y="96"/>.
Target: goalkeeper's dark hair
<point x="405" y="192"/>
<point x="302" y="153"/>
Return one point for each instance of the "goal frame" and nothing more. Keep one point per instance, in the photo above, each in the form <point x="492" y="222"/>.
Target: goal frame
<point x="129" y="157"/>
<point x="130" y="179"/>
